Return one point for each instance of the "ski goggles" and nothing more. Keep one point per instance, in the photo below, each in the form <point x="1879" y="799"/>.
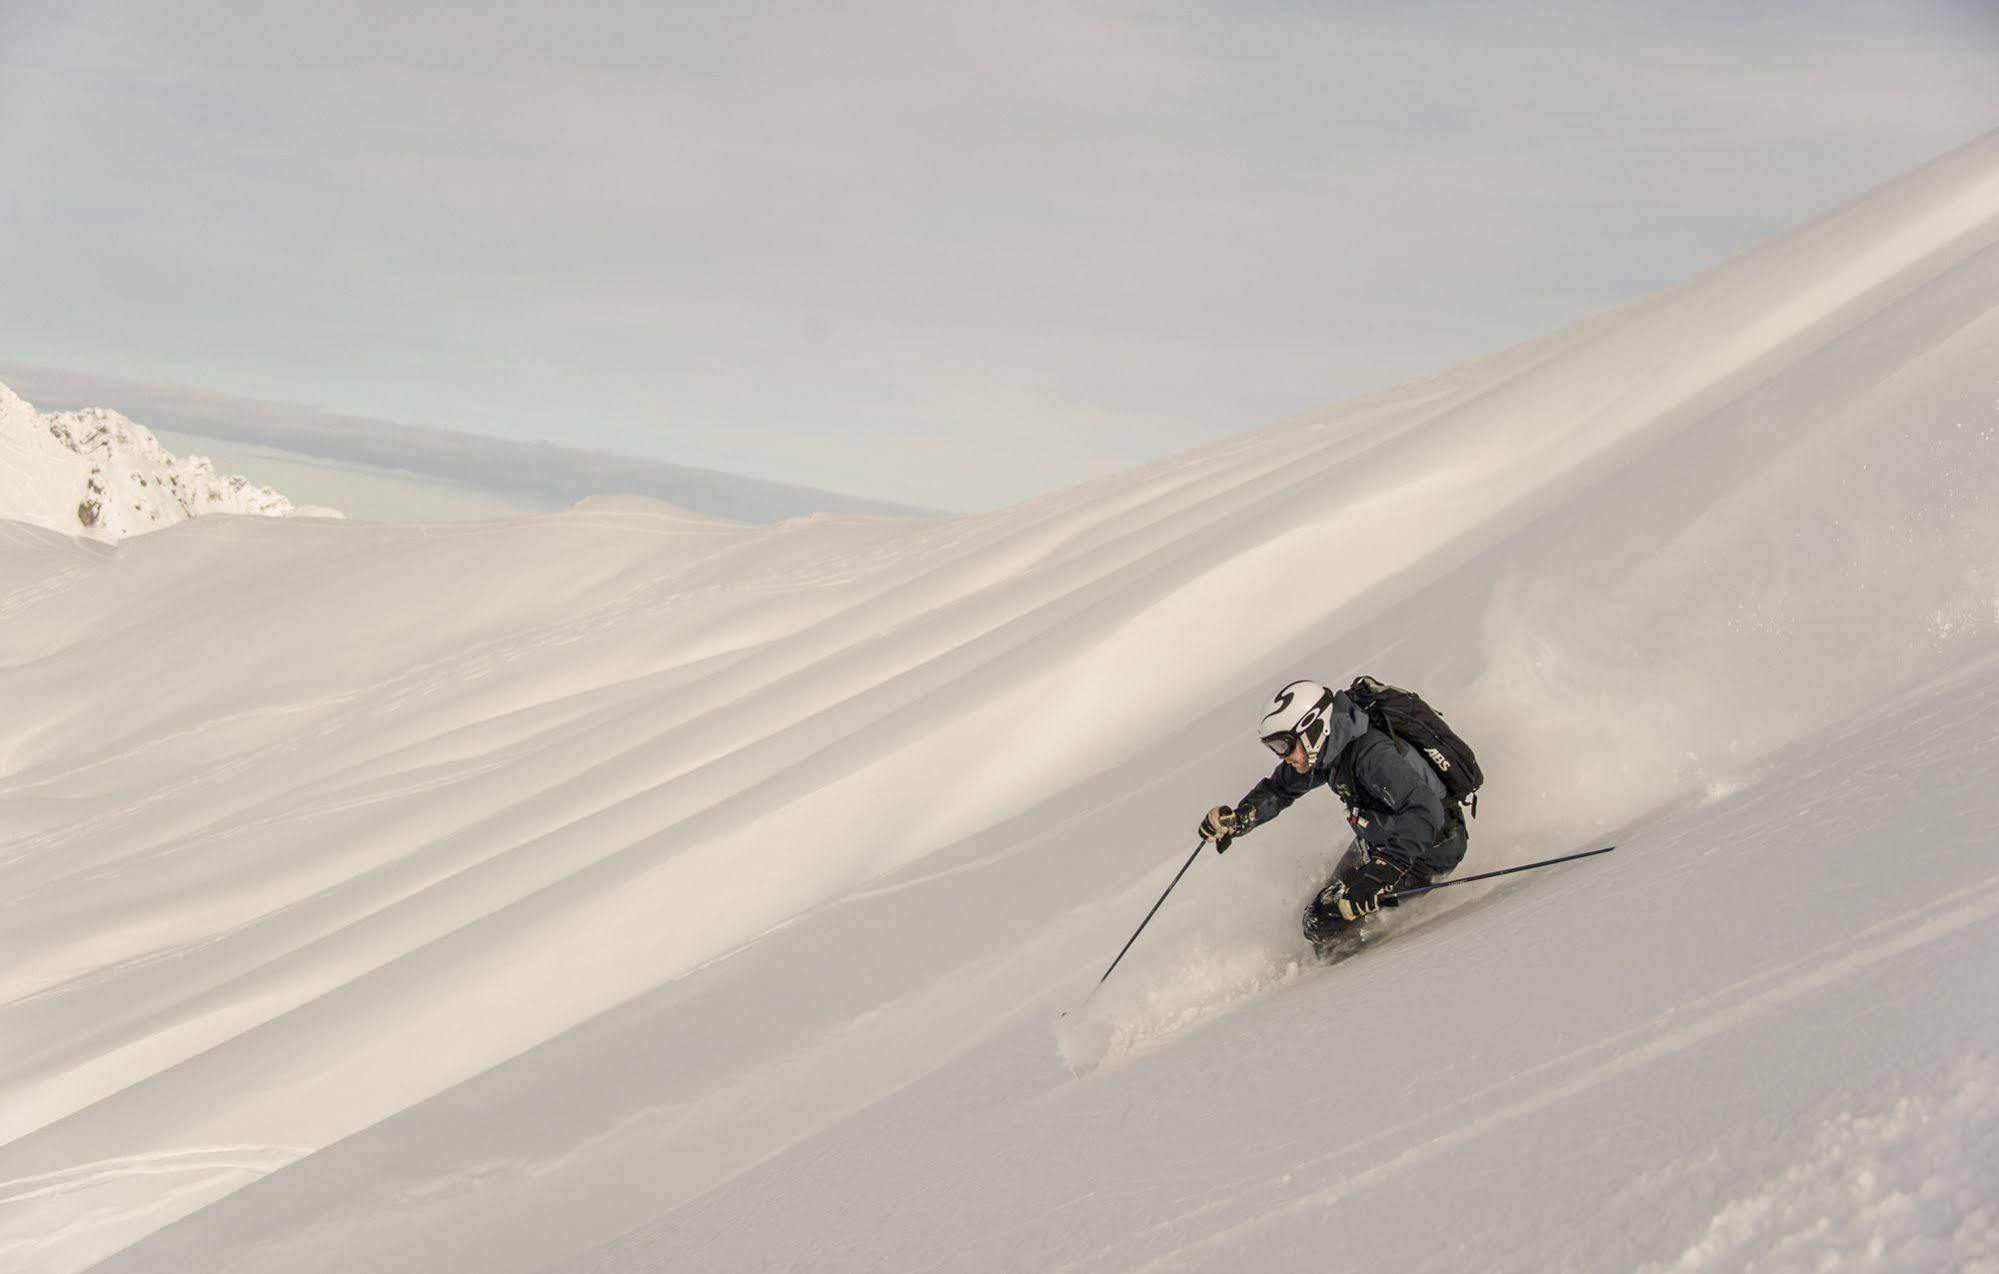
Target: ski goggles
<point x="1313" y="730"/>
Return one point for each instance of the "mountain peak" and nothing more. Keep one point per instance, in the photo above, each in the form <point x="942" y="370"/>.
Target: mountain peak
<point x="97" y="473"/>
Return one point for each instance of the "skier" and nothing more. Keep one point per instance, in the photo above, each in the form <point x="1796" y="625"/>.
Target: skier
<point x="1406" y="830"/>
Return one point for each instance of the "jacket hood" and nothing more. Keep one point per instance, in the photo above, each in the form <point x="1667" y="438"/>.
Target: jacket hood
<point x="1344" y="723"/>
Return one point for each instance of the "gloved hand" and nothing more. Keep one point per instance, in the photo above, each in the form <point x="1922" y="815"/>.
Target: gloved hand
<point x="1220" y="827"/>
<point x="1370" y="889"/>
<point x="1223" y="825"/>
<point x="1367" y="829"/>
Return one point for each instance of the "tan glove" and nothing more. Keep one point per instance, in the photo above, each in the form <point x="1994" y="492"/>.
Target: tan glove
<point x="1221" y="826"/>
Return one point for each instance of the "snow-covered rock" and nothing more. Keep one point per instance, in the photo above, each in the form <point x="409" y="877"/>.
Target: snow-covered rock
<point x="97" y="473"/>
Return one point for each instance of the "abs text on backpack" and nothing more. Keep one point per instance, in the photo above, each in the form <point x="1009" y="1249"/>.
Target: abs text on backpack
<point x="1403" y="716"/>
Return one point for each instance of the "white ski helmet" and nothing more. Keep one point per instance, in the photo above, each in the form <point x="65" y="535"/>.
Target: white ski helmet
<point x="1298" y="712"/>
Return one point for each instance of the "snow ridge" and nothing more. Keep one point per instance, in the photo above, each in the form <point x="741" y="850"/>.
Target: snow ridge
<point x="99" y="474"/>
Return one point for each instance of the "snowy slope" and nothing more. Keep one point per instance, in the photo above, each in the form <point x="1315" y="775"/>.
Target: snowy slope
<point x="95" y="473"/>
<point x="623" y="890"/>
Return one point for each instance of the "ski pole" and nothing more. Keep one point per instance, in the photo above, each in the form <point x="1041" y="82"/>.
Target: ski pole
<point x="1400" y="894"/>
<point x="1155" y="910"/>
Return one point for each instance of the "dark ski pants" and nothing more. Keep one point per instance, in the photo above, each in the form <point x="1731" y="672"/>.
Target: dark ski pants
<point x="1324" y="927"/>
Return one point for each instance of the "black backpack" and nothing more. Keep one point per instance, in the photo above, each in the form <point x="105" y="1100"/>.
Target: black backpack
<point x="1403" y="716"/>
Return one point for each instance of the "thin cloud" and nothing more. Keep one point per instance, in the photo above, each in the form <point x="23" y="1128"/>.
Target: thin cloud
<point x="950" y="254"/>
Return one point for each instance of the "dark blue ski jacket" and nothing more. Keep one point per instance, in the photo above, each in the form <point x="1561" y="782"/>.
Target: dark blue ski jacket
<point x="1388" y="783"/>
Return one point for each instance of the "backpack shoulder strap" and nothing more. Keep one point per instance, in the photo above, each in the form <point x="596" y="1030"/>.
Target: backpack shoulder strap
<point x="1370" y="740"/>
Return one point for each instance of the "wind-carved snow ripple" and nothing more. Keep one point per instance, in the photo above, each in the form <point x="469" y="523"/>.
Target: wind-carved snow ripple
<point x="29" y="595"/>
<point x="208" y="1170"/>
<point x="348" y="714"/>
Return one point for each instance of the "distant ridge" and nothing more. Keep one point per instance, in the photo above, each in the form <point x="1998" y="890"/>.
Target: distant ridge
<point x="559" y="475"/>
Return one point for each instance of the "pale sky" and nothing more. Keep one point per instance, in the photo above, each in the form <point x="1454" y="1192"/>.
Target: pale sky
<point x="948" y="255"/>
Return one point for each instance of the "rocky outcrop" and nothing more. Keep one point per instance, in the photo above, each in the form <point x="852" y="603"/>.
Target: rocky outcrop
<point x="99" y="474"/>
